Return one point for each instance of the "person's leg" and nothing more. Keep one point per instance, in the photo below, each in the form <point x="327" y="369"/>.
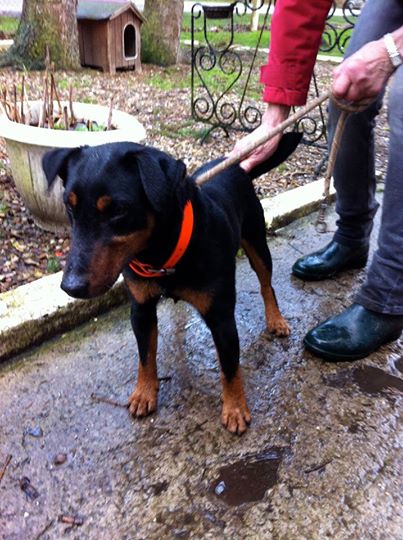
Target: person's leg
<point x="377" y="316"/>
<point x="383" y="289"/>
<point x="354" y="173"/>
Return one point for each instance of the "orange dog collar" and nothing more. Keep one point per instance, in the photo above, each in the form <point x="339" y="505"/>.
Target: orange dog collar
<point x="146" y="270"/>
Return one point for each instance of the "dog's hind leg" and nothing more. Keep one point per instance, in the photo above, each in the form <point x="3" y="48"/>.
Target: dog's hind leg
<point x="254" y="243"/>
<point x="143" y="400"/>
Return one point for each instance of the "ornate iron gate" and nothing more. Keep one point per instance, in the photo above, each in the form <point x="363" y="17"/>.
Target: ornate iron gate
<point x="222" y="74"/>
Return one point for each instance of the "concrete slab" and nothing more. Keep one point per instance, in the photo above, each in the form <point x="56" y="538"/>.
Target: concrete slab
<point x="322" y="458"/>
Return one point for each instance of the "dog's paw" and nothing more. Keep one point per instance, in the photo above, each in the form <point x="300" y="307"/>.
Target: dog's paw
<point x="143" y="401"/>
<point x="235" y="418"/>
<point x="278" y="326"/>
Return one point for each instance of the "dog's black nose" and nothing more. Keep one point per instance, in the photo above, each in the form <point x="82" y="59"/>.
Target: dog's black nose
<point x="75" y="286"/>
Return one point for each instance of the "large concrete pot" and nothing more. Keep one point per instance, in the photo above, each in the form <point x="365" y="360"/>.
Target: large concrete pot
<point x="27" y="144"/>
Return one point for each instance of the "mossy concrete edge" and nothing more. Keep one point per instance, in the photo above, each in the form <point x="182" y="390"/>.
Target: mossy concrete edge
<point x="294" y="204"/>
<point x="37" y="311"/>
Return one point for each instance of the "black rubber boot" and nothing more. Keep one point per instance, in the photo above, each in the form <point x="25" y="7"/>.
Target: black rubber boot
<point x="355" y="333"/>
<point x="330" y="260"/>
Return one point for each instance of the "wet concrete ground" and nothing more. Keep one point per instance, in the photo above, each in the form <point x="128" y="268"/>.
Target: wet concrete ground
<point x="322" y="458"/>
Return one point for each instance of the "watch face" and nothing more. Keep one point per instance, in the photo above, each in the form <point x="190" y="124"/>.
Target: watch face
<point x="396" y="60"/>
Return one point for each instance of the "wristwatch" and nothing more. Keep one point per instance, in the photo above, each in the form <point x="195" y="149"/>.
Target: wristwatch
<point x="394" y="55"/>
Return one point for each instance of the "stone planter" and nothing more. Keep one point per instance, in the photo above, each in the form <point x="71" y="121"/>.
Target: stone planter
<point x="27" y="144"/>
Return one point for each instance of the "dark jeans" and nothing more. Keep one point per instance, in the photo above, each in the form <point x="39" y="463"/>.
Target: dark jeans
<point x="354" y="173"/>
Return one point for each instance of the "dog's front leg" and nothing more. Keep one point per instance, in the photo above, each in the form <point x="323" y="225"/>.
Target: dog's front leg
<point x="143" y="400"/>
<point x="235" y="413"/>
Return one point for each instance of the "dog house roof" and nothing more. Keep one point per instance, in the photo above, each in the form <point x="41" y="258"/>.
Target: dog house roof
<point x="101" y="11"/>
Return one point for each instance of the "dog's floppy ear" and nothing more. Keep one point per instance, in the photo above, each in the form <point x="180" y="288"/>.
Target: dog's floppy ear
<point x="54" y="163"/>
<point x="288" y="143"/>
<point x="161" y="176"/>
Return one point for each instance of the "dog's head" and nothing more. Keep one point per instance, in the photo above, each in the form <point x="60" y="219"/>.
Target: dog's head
<point x="113" y="194"/>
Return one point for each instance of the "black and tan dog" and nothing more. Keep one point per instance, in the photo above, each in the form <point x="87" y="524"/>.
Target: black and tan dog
<point x="133" y="209"/>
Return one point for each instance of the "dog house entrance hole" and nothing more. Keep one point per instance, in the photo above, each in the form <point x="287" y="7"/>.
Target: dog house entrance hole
<point x="129" y="41"/>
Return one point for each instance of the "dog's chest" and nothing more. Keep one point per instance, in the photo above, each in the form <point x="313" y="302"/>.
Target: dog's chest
<point x="143" y="291"/>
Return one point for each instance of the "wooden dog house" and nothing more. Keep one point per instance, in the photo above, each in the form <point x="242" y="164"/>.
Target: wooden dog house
<point x="109" y="35"/>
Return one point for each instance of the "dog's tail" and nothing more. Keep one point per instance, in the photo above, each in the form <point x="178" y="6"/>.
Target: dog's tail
<point x="288" y="143"/>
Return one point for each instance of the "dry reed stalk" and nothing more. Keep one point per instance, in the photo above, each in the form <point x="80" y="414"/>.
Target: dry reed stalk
<point x="53" y="83"/>
<point x="22" y="114"/>
<point x="66" y="118"/>
<point x="109" y="124"/>
<point x="73" y="118"/>
<point x="5" y="105"/>
<point x="51" y="123"/>
<point x="15" y="107"/>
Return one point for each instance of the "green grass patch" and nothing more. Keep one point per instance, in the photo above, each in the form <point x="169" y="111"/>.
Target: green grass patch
<point x="219" y="32"/>
<point x="196" y="133"/>
<point x="170" y="79"/>
<point x="53" y="265"/>
<point x="90" y="100"/>
<point x="8" y="26"/>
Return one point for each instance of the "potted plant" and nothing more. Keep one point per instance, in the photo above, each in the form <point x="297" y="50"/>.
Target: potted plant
<point x="31" y="128"/>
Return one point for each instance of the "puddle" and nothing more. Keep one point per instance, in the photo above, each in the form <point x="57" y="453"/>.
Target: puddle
<point x="373" y="380"/>
<point x="248" y="480"/>
<point x="369" y="379"/>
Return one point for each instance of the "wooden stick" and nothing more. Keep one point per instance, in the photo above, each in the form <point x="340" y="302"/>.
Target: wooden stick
<point x="9" y="457"/>
<point x="208" y="175"/>
<point x="102" y="399"/>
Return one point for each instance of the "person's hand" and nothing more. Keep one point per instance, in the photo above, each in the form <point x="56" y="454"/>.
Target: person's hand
<point x="274" y="115"/>
<point x="363" y="75"/>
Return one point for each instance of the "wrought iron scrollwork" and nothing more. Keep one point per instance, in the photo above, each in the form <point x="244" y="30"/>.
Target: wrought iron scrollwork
<point x="335" y="37"/>
<point x="222" y="74"/>
<point x="337" y="34"/>
<point x="217" y="105"/>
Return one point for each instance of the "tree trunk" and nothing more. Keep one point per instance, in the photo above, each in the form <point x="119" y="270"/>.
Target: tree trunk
<point x="45" y="23"/>
<point x="161" y="32"/>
